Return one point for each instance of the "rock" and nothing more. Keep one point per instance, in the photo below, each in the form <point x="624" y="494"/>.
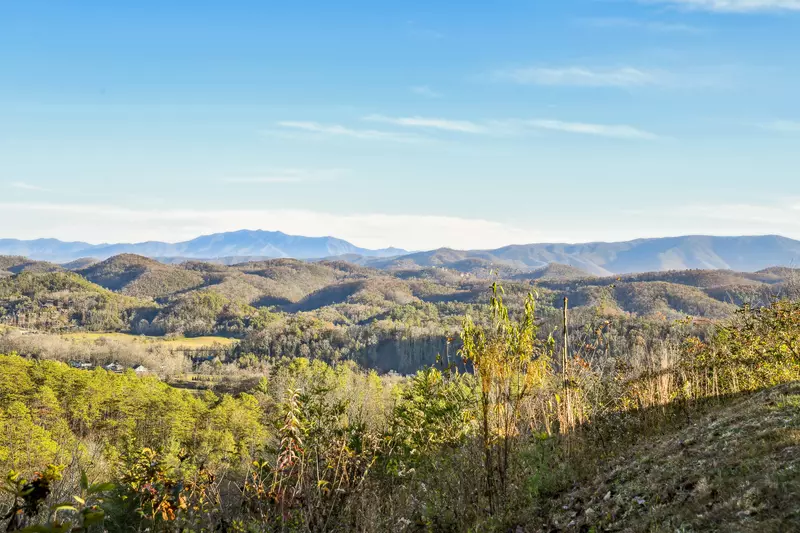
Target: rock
<point x="607" y="496"/>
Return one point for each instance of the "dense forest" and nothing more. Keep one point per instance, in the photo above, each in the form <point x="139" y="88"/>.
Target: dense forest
<point x="339" y="398"/>
<point x="384" y="319"/>
<point x="320" y="447"/>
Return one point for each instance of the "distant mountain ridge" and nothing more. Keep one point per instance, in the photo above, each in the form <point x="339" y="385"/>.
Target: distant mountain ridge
<point x="745" y="254"/>
<point x="252" y="243"/>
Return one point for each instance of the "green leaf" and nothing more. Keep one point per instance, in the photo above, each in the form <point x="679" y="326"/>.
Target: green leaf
<point x="101" y="487"/>
<point x="38" y="529"/>
<point x="84" y="481"/>
<point x="64" y="507"/>
<point x="93" y="517"/>
<point x="79" y="500"/>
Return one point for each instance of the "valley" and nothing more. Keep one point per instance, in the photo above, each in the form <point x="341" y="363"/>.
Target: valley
<point x="390" y="319"/>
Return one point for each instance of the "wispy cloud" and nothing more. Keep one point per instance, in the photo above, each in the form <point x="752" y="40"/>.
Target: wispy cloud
<point x="343" y="131"/>
<point x="784" y="214"/>
<point x="579" y="76"/>
<point x="287" y="175"/>
<point x="424" y="90"/>
<point x="514" y="127"/>
<point x="782" y="126"/>
<point x="735" y="6"/>
<point x="601" y="130"/>
<point x="637" y="24"/>
<point x="28" y="186"/>
<point x="462" y="126"/>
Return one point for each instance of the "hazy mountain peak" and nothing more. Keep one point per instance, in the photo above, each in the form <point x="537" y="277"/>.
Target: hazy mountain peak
<point x="746" y="253"/>
<point x="241" y="243"/>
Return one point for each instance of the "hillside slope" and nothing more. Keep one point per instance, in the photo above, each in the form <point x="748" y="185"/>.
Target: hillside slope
<point x="735" y="468"/>
<point x="16" y="264"/>
<point x="64" y="300"/>
<point x="139" y="276"/>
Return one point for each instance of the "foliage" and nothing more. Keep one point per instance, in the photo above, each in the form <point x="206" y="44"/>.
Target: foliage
<point x="384" y="319"/>
<point x="434" y="411"/>
<point x="28" y="497"/>
<point x="310" y="445"/>
<point x="510" y="363"/>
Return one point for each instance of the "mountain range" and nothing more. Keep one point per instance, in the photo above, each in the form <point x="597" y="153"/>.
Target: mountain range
<point x="244" y="243"/>
<point x="745" y="254"/>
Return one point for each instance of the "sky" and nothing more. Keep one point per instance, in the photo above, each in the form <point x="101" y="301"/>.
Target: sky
<point x="410" y="123"/>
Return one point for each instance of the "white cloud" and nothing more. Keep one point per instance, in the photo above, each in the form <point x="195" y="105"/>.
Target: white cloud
<point x="768" y="218"/>
<point x="463" y="126"/>
<point x="736" y="6"/>
<point x="636" y="24"/>
<point x="288" y="175"/>
<point x="424" y="90"/>
<point x="338" y="130"/>
<point x="28" y="186"/>
<point x="107" y="223"/>
<point x="783" y="126"/>
<point x="579" y="76"/>
<point x="517" y="126"/>
<point x="784" y="214"/>
<point x="601" y="130"/>
<point x="498" y="128"/>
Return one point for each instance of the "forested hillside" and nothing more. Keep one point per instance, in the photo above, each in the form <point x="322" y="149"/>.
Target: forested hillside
<point x="638" y="426"/>
<point x="396" y="319"/>
<point x="283" y="395"/>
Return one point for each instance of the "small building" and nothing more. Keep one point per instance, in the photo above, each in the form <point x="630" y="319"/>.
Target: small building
<point x="115" y="367"/>
<point x="141" y="370"/>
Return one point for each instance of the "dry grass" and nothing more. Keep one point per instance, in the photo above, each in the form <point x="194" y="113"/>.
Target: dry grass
<point x="735" y="468"/>
<point x="172" y="342"/>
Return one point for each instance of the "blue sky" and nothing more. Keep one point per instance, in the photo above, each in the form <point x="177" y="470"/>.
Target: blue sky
<point x="406" y="123"/>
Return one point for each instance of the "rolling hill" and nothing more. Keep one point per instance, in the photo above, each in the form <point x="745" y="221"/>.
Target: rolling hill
<point x="392" y="319"/>
<point x="139" y="276"/>
<point x="348" y="293"/>
<point x="17" y="264"/>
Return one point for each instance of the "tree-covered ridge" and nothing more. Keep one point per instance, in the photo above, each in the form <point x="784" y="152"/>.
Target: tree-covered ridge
<point x="517" y="442"/>
<point x="16" y="264"/>
<point x="332" y="310"/>
<point x="139" y="276"/>
<point x="64" y="300"/>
